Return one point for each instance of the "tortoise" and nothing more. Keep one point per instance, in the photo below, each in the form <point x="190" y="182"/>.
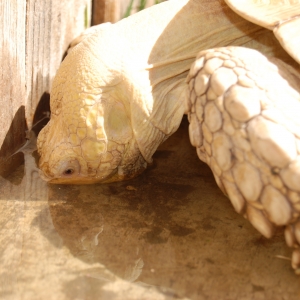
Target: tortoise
<point x="123" y="89"/>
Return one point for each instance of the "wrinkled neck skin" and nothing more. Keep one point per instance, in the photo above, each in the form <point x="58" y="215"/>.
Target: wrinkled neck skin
<point x="121" y="92"/>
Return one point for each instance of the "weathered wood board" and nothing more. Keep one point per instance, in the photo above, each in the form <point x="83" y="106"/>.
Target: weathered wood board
<point x="34" y="36"/>
<point x="114" y="10"/>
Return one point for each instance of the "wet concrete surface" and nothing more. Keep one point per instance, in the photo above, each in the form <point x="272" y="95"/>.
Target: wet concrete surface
<point x="168" y="234"/>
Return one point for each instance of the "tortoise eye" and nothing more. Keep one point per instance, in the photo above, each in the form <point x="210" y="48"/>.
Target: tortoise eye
<point x="68" y="171"/>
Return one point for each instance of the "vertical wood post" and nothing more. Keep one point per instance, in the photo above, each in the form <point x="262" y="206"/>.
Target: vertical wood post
<point x="114" y="10"/>
<point x="34" y="36"/>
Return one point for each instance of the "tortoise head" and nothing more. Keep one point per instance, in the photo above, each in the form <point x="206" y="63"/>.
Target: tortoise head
<point x="114" y="100"/>
<point x="89" y="137"/>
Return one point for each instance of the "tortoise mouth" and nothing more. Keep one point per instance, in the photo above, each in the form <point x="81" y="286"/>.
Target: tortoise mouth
<point x="77" y="181"/>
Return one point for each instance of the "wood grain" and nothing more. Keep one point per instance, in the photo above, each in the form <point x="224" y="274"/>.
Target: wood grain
<point x="34" y="36"/>
<point x="114" y="10"/>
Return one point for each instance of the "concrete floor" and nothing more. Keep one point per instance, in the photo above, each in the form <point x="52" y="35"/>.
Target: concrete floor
<point x="168" y="234"/>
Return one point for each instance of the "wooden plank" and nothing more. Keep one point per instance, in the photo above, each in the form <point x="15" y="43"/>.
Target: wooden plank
<point x="34" y="36"/>
<point x="12" y="81"/>
<point x="114" y="10"/>
<point x="51" y="27"/>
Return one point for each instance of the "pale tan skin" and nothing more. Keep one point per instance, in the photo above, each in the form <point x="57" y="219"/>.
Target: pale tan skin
<point x="124" y="88"/>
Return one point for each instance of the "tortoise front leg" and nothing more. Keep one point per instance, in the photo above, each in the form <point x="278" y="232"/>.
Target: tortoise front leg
<point x="244" y="114"/>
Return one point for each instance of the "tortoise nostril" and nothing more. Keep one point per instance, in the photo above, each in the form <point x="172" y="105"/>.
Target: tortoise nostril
<point x="69" y="171"/>
<point x="68" y="167"/>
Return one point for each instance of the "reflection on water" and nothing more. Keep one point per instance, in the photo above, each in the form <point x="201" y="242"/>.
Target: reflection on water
<point x="168" y="234"/>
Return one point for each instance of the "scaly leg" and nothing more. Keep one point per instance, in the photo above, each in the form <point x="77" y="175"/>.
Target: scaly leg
<point x="244" y="113"/>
